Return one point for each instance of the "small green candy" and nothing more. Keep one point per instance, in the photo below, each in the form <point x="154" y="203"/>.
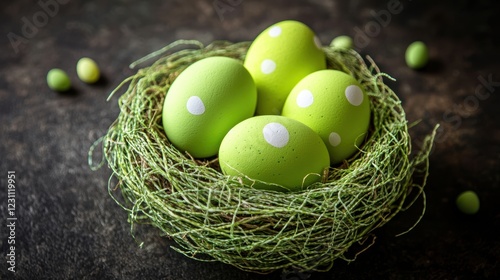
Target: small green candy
<point x="87" y="70"/>
<point x="342" y="41"/>
<point x="468" y="202"/>
<point x="58" y="80"/>
<point x="417" y="55"/>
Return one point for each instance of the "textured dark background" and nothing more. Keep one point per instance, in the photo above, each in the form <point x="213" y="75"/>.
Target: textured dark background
<point x="68" y="227"/>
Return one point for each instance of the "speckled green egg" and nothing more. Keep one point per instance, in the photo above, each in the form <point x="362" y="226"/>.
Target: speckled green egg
<point x="205" y="101"/>
<point x="274" y="153"/>
<point x="278" y="58"/>
<point x="335" y="106"/>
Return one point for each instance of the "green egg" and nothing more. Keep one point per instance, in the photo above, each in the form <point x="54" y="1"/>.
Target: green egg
<point x="58" y="80"/>
<point x="468" y="202"/>
<point x="343" y="41"/>
<point x="274" y="153"/>
<point x="278" y="58"/>
<point x="205" y="101"/>
<point x="417" y="55"/>
<point x="335" y="106"/>
<point x="87" y="70"/>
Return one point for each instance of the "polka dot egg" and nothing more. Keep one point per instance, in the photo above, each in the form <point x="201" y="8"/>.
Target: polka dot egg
<point x="335" y="106"/>
<point x="274" y="153"/>
<point x="205" y="101"/>
<point x="280" y="57"/>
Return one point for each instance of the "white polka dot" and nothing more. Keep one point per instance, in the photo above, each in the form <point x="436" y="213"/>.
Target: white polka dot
<point x="334" y="139"/>
<point x="275" y="31"/>
<point x="317" y="42"/>
<point x="276" y="134"/>
<point x="267" y="66"/>
<point x="195" y="105"/>
<point x="305" y="98"/>
<point x="354" y="95"/>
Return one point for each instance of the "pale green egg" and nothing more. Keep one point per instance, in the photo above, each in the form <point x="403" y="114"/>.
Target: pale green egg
<point x="205" y="101"/>
<point x="274" y="153"/>
<point x="278" y="58"/>
<point x="343" y="42"/>
<point x="335" y="106"/>
<point x="88" y="70"/>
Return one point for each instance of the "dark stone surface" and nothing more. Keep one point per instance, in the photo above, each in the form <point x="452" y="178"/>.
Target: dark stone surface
<point x="68" y="227"/>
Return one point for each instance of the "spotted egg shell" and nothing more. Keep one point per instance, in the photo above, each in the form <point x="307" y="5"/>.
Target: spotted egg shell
<point x="205" y="101"/>
<point x="278" y="58"/>
<point x="335" y="106"/>
<point x="274" y="153"/>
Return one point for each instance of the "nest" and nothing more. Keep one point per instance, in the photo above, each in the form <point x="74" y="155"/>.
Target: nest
<point x="213" y="217"/>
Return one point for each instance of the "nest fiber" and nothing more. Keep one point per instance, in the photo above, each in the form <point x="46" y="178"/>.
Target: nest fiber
<point x="213" y="217"/>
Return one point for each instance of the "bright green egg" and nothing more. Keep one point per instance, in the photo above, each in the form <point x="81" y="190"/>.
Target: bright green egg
<point x="335" y="106"/>
<point x="58" y="80"/>
<point x="205" y="101"/>
<point x="278" y="58"/>
<point x="274" y="153"/>
<point x="416" y="55"/>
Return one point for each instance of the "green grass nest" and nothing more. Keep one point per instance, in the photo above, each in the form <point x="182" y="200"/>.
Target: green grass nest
<point x="213" y="217"/>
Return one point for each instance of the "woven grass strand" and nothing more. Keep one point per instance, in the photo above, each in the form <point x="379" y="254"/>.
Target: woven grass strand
<point x="215" y="218"/>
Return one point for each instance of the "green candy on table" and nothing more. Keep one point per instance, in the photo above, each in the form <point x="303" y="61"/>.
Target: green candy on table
<point x="58" y="80"/>
<point x="88" y="70"/>
<point x="468" y="202"/>
<point x="417" y="55"/>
